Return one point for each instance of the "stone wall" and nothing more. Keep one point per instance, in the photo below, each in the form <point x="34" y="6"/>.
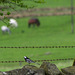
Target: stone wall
<point x="46" y="68"/>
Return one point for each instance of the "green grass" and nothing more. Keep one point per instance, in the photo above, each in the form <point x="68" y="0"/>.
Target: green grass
<point x="7" y="67"/>
<point x="53" y="31"/>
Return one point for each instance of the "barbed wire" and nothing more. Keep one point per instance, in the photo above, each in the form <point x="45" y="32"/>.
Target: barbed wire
<point x="41" y="47"/>
<point x="37" y="60"/>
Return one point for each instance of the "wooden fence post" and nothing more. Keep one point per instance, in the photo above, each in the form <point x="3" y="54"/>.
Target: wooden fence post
<point x="72" y="22"/>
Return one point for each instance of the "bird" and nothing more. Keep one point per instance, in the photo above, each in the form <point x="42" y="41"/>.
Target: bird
<point x="29" y="60"/>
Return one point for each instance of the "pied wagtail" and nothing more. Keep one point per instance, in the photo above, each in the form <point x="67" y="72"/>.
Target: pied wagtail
<point x="29" y="60"/>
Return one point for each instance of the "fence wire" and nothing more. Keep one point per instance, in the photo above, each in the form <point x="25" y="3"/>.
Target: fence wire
<point x="42" y="47"/>
<point x="38" y="60"/>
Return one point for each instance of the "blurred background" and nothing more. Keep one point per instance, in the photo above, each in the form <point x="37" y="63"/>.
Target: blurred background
<point x="57" y="20"/>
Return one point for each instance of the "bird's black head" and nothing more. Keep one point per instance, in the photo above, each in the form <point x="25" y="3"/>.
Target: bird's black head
<point x="26" y="57"/>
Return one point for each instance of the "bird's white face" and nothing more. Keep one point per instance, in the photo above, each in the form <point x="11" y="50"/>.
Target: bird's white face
<point x="25" y="57"/>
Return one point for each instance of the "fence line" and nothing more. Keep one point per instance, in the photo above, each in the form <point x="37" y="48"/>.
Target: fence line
<point x="38" y="14"/>
<point x="28" y="13"/>
<point x="42" y="47"/>
<point x="37" y="60"/>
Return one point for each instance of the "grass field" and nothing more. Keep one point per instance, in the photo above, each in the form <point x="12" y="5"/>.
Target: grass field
<point x="53" y="31"/>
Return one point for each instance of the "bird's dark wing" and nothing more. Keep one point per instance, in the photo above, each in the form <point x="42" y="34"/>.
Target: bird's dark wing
<point x="29" y="61"/>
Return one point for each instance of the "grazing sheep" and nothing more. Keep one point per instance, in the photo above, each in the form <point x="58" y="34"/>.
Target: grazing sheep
<point x="5" y="29"/>
<point x="13" y="23"/>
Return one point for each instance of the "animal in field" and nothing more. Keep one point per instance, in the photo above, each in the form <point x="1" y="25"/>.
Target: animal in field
<point x="33" y="21"/>
<point x="13" y="23"/>
<point x="5" y="29"/>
